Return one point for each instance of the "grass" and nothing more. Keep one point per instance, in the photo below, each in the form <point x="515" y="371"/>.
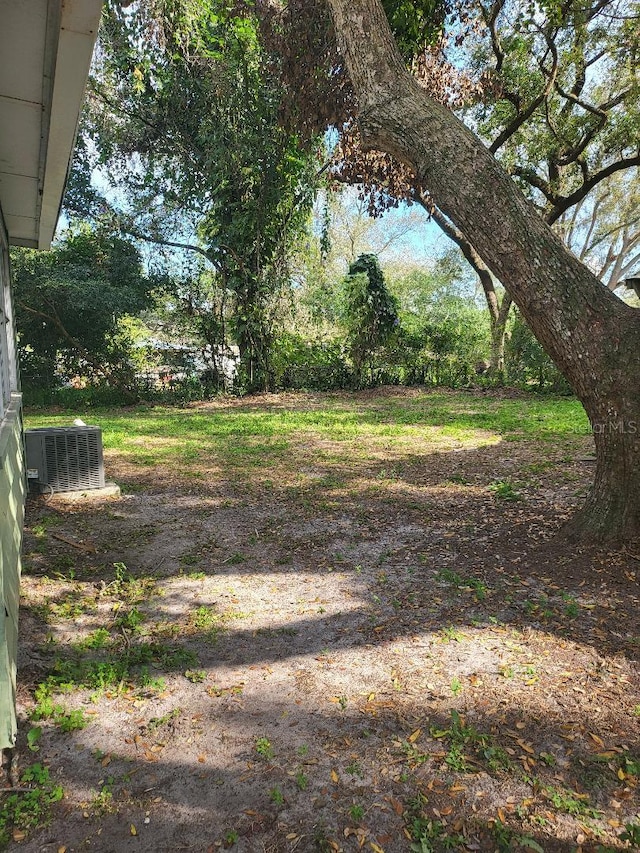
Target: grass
<point x="193" y="436"/>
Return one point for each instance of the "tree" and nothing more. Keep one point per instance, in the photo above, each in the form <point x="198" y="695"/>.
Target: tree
<point x="184" y="115"/>
<point x="603" y="230"/>
<point x="370" y="312"/>
<point x="592" y="336"/>
<point x="69" y="303"/>
<point x="554" y="96"/>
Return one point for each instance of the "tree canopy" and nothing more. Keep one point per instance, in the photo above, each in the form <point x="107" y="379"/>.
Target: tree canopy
<point x="69" y="302"/>
<point x="184" y="116"/>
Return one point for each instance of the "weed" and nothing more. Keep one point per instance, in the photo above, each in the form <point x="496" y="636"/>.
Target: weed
<point x="342" y="701"/>
<point x="127" y="587"/>
<point x="128" y="670"/>
<point x="264" y="748"/>
<point x="479" y="588"/>
<point x="456" y="686"/>
<point x="449" y="634"/>
<point x="26" y="810"/>
<point x="72" y="608"/>
<point x="276" y="796"/>
<point x="449" y="576"/>
<point x="206" y="619"/>
<point x="131" y="620"/>
<point x="33" y="736"/>
<point x="455" y="759"/>
<point x="505" y="491"/>
<point x="303" y="750"/>
<point x="195" y="676"/>
<point x="102" y="802"/>
<point x="570" y="802"/>
<point x="631" y="834"/>
<point x="429" y="835"/>
<point x="459" y="479"/>
<point x="230" y="838"/>
<point x="302" y="780"/>
<point x="45" y="709"/>
<point x="156" y="722"/>
<point x="356" y="812"/>
<point x="235" y="559"/>
<point x="463" y="738"/>
<point x="217" y="692"/>
<point x="98" y="639"/>
<point x="354" y="769"/>
<point x="571" y="607"/>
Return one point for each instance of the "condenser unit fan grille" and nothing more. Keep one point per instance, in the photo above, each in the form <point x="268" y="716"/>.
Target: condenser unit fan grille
<point x="64" y="459"/>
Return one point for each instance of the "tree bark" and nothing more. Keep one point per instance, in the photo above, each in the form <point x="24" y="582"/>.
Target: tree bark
<point x="593" y="337"/>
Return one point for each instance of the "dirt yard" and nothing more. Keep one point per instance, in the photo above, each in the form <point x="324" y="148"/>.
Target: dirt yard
<point x="369" y="642"/>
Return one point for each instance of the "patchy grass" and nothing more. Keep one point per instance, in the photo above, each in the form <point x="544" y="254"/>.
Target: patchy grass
<point x="333" y="622"/>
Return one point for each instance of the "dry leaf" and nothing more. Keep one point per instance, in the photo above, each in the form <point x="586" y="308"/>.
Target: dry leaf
<point x="414" y="737"/>
<point x="397" y="806"/>
<point x="133" y="830"/>
<point x="334" y="776"/>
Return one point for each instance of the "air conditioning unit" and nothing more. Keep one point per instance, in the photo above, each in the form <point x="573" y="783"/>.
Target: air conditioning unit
<point x="65" y="459"/>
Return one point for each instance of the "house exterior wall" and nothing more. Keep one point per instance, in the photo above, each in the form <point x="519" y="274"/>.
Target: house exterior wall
<point x="12" y="496"/>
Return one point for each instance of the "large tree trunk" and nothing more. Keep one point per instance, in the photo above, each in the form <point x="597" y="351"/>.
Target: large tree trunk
<point x="593" y="337"/>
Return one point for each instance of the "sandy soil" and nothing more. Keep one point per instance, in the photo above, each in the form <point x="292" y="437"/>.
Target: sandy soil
<point x="377" y="653"/>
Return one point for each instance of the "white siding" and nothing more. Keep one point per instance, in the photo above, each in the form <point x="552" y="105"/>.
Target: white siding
<point x="8" y="365"/>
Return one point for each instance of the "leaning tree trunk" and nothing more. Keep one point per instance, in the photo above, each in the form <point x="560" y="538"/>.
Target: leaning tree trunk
<point x="498" y="309"/>
<point x="593" y="337"/>
<point x="498" y="337"/>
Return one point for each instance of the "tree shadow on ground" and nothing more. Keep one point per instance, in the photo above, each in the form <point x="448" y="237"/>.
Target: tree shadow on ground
<point x="389" y="771"/>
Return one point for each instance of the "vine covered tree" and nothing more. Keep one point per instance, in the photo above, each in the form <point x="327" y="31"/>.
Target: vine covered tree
<point x="184" y="115"/>
<point x="370" y="312"/>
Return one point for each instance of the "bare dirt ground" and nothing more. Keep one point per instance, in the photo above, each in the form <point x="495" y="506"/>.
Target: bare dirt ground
<point x="363" y="647"/>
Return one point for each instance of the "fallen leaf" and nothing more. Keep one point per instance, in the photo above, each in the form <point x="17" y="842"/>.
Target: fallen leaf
<point x="414" y="736"/>
<point x="397" y="806"/>
<point x="334" y="776"/>
<point x="133" y="830"/>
